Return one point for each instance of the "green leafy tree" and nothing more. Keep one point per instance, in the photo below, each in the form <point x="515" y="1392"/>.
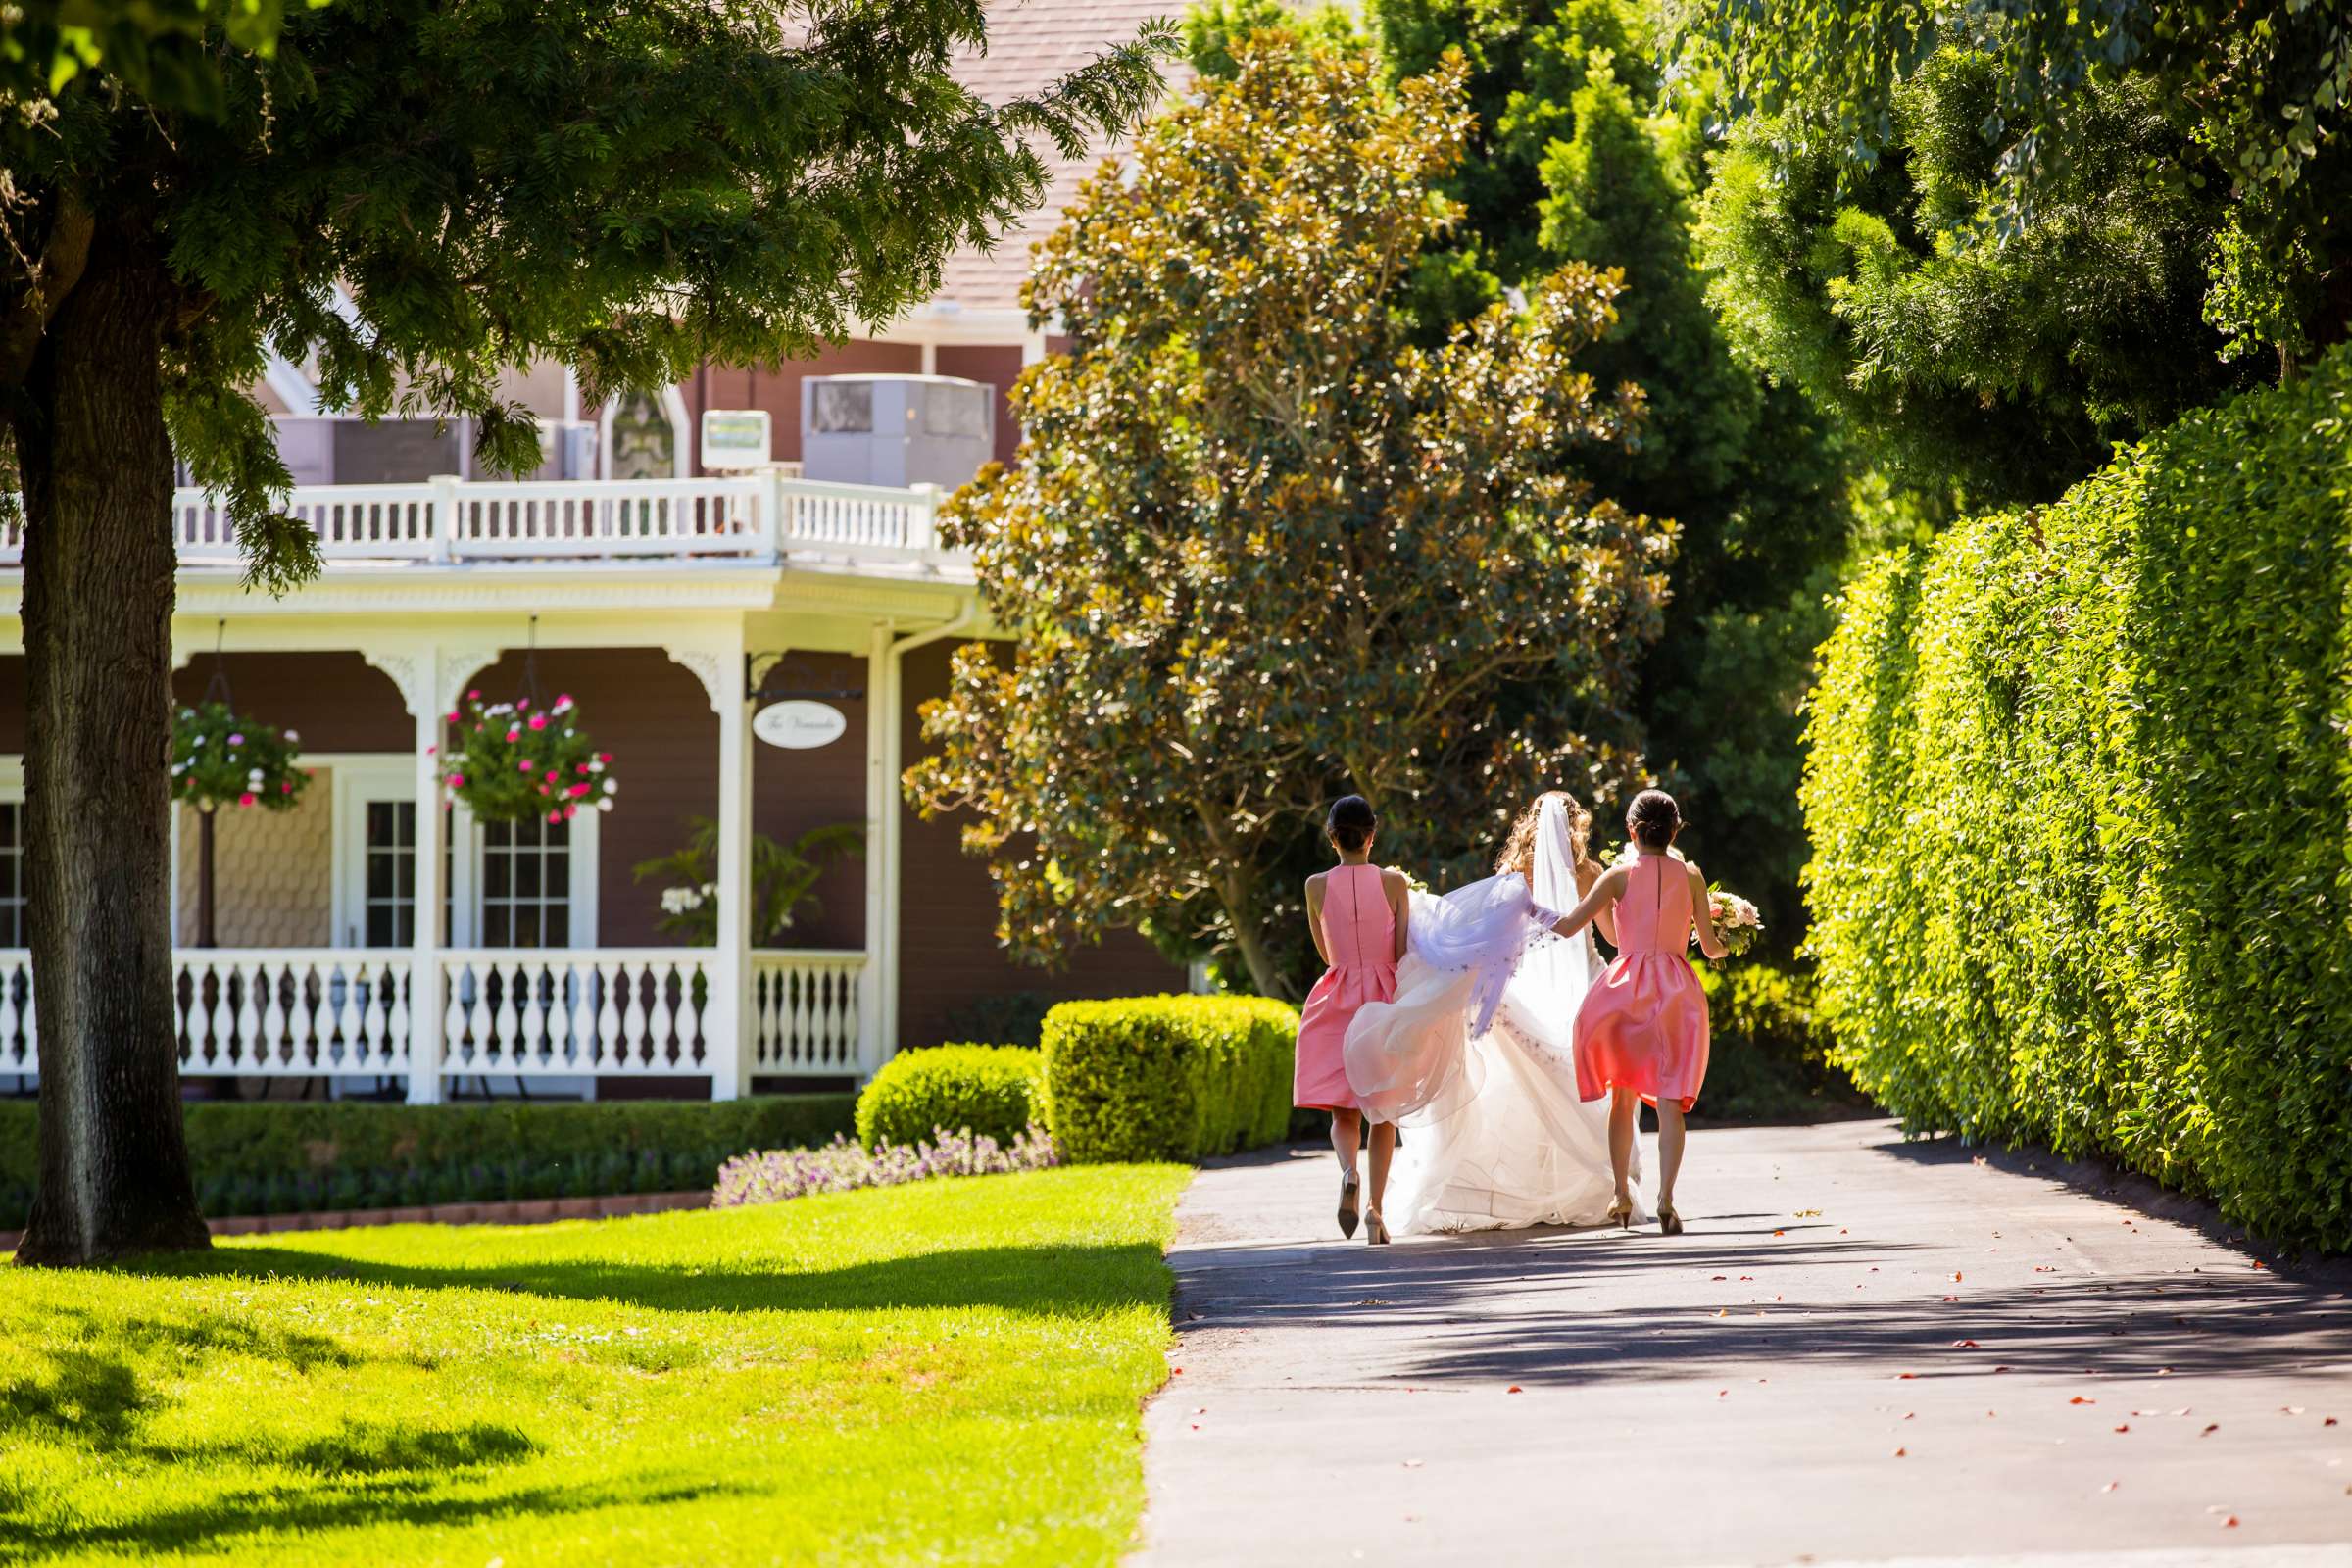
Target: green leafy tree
<point x="626" y="190"/>
<point x="1979" y="370"/>
<point x="1591" y="155"/>
<point x="2257" y="93"/>
<point x="1262" y="548"/>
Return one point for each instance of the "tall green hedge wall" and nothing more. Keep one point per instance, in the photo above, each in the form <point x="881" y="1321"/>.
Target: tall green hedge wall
<point x="2079" y="795"/>
<point x="288" y="1156"/>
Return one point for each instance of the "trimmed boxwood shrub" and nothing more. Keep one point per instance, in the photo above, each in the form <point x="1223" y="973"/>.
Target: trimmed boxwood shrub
<point x="1168" y="1077"/>
<point x="991" y="1091"/>
<point x="281" y="1156"/>
<point x="2079" y="798"/>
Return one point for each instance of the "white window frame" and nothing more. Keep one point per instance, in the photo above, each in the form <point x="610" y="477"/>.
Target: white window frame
<point x="360" y="777"/>
<point x="465" y="906"/>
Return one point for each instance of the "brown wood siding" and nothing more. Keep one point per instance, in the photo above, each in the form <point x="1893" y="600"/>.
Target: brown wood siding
<point x="947" y="917"/>
<point x="656" y="719"/>
<point x="336" y="702"/>
<point x="793" y="792"/>
<point x="12" y="695"/>
<point x="998" y="364"/>
<point x="777" y="390"/>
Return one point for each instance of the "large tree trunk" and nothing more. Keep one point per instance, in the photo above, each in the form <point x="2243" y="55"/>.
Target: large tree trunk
<point x="98" y="595"/>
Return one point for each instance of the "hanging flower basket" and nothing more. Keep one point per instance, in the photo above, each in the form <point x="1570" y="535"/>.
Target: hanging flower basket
<point x="510" y="762"/>
<point x="220" y="759"/>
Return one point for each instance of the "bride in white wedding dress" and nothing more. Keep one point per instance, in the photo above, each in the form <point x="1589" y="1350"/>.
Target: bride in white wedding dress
<point x="1475" y="1056"/>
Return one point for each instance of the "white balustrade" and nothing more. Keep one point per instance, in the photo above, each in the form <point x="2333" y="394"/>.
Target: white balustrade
<point x="353" y="522"/>
<point x="291" y="1011"/>
<point x="617" y="517"/>
<point x="591" y="1011"/>
<point x="574" y="1012"/>
<point x="804" y="1013"/>
<point x="452" y="519"/>
<point x="860" y="517"/>
<point x="19" y="1036"/>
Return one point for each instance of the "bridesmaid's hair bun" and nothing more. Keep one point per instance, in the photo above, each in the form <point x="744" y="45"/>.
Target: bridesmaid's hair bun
<point x="1351" y="822"/>
<point x="1654" y="820"/>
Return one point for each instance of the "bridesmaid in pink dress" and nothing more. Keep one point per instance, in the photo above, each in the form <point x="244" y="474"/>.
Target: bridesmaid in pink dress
<point x="1356" y="913"/>
<point x="1642" y="1031"/>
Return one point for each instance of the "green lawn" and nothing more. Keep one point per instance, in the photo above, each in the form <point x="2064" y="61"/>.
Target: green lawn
<point x="948" y="1371"/>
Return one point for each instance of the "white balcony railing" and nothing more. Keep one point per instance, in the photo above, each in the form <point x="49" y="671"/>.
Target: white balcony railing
<point x="804" y="1013"/>
<point x="445" y="520"/>
<point x="566" y="1012"/>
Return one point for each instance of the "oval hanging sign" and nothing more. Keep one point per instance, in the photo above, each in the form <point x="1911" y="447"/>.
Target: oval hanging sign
<point x="800" y="726"/>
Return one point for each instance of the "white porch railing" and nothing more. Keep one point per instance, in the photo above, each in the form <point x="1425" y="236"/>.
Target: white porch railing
<point x="599" y="1011"/>
<point x="460" y="520"/>
<point x="256" y="1011"/>
<point x="803" y="1011"/>
<point x="568" y="1012"/>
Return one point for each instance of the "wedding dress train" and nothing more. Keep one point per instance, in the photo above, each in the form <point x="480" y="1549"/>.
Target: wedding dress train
<point x="1475" y="1057"/>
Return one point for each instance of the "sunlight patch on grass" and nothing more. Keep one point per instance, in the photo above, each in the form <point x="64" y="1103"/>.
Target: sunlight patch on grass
<point x="948" y="1371"/>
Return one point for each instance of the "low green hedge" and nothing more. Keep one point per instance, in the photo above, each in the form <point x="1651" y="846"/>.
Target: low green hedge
<point x="2078" y="797"/>
<point x="292" y="1156"/>
<point x="1168" y="1077"/>
<point x="991" y="1091"/>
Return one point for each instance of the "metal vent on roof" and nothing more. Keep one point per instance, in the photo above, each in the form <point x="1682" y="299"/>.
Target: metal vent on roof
<point x="844" y="407"/>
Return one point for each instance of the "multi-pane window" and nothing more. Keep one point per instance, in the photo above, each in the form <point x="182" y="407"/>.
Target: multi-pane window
<point x="391" y="886"/>
<point x="526" y="884"/>
<point x="12" y="874"/>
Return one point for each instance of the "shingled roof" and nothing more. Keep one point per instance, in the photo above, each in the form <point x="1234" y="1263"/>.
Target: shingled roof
<point x="1031" y="43"/>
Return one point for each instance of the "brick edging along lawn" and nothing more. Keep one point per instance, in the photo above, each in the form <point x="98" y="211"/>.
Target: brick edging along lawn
<point x="506" y="1211"/>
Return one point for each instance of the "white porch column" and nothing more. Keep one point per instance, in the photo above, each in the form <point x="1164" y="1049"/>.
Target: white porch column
<point x="727" y="1015"/>
<point x="874" y="994"/>
<point x="425" y="955"/>
<point x="420" y="673"/>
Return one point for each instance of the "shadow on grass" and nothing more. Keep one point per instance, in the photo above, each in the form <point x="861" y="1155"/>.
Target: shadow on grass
<point x="1049" y="1281"/>
<point x="412" y="1498"/>
<point x="106" y="1378"/>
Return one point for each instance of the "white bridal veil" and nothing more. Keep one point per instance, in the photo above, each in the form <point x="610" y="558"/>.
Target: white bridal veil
<point x="1476" y="1056"/>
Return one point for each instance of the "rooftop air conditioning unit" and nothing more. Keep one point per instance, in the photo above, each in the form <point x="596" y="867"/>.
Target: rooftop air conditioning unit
<point x="896" y="430"/>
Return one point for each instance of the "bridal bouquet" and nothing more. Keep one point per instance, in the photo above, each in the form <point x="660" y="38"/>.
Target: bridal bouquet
<point x="1736" y="919"/>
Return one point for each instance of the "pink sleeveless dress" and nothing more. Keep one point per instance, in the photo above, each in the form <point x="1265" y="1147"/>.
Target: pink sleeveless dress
<point x="1643" y="1023"/>
<point x="1361" y="933"/>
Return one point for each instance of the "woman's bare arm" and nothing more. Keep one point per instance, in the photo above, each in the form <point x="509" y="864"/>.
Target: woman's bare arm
<point x="1604" y="921"/>
<point x="1603" y="896"/>
<point x="1314" y="917"/>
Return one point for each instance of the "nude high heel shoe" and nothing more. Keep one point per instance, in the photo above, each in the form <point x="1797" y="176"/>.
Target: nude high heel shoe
<point x="1376" y="1230"/>
<point x="1670" y="1223"/>
<point x="1621" y="1215"/>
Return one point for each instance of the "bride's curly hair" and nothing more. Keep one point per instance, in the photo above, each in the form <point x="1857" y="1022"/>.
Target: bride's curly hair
<point x="1519" y="850"/>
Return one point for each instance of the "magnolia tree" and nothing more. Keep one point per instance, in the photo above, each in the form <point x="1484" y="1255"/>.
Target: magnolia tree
<point x="410" y="195"/>
<point x="1259" y="549"/>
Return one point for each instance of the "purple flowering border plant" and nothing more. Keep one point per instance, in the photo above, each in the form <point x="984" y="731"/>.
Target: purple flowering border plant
<point x="771" y="1176"/>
